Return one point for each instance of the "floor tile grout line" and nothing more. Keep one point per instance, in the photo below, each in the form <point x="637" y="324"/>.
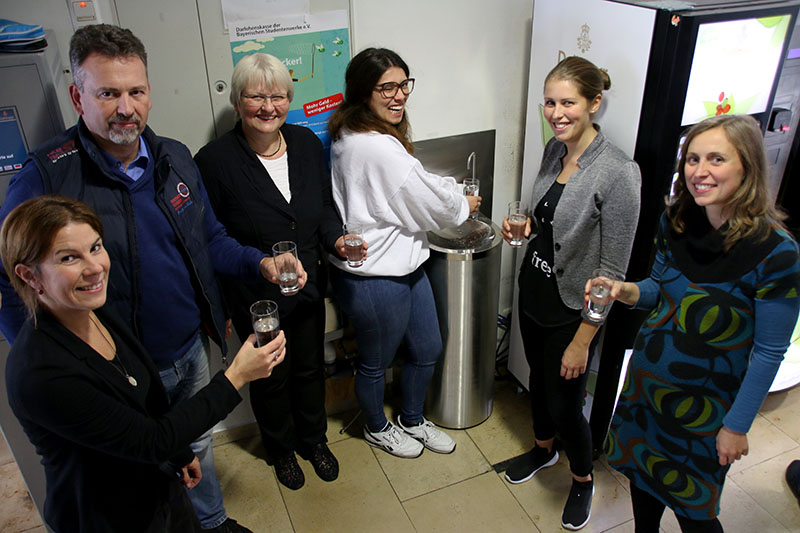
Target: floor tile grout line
<point x="511" y="492"/>
<point x="754" y="501"/>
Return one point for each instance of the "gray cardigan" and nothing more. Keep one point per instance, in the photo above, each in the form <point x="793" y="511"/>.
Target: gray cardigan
<point x="595" y="219"/>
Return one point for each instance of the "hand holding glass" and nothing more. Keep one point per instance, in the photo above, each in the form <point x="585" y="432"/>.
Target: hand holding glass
<point x="517" y="220"/>
<point x="600" y="286"/>
<point x="354" y="245"/>
<point x="285" y="255"/>
<point x="266" y="323"/>
<point x="472" y="187"/>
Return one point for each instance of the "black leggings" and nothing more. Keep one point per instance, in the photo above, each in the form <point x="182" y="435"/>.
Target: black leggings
<point x="557" y="403"/>
<point x="647" y="511"/>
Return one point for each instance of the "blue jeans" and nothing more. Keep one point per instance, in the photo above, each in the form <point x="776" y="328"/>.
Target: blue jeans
<point x="187" y="375"/>
<point x="386" y="310"/>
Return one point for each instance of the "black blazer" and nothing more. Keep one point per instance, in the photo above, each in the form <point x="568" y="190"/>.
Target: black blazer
<point x="254" y="212"/>
<point x="110" y="451"/>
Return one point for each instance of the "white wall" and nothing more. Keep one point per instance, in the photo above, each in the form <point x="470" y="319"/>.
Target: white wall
<point x="471" y="62"/>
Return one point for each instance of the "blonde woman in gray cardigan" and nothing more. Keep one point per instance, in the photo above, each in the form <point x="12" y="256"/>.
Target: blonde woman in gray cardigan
<point x="585" y="204"/>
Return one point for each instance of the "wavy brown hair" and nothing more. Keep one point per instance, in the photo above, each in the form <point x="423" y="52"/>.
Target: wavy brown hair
<point x="28" y="233"/>
<point x="361" y="77"/>
<point x="751" y="210"/>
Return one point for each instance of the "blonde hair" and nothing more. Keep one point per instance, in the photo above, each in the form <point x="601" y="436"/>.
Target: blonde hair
<point x="260" y="69"/>
<point x="751" y="210"/>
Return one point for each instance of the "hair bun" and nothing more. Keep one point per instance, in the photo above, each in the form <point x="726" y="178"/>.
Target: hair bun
<point x="606" y="78"/>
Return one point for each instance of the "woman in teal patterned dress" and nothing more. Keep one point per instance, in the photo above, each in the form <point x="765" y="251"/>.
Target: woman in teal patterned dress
<point x="724" y="297"/>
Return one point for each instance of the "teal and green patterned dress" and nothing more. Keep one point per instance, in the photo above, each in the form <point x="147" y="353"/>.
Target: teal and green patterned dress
<point x="705" y="357"/>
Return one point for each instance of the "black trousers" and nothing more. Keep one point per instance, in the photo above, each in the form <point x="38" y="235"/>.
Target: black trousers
<point x="557" y="403"/>
<point x="647" y="512"/>
<point x="176" y="513"/>
<point x="289" y="406"/>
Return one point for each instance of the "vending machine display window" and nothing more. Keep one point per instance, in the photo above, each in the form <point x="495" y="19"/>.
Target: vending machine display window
<point x="734" y="66"/>
<point x="13" y="149"/>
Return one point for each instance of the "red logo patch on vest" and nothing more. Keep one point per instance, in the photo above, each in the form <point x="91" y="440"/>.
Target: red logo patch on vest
<point x="68" y="148"/>
<point x="182" y="200"/>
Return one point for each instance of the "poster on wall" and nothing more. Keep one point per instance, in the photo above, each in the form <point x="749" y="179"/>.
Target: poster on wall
<point x="316" y="50"/>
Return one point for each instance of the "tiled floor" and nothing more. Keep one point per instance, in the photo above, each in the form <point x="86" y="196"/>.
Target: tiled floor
<point x="462" y="492"/>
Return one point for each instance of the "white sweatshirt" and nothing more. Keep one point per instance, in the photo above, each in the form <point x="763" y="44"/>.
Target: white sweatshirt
<point x="378" y="184"/>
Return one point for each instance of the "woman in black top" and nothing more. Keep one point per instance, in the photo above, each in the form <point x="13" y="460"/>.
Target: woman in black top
<point x="268" y="182"/>
<point x="89" y="398"/>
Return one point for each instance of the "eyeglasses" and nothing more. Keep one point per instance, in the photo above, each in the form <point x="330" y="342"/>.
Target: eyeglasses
<point x="390" y="88"/>
<point x="257" y="100"/>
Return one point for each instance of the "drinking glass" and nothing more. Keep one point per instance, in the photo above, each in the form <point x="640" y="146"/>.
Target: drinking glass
<point x="599" y="301"/>
<point x="517" y="219"/>
<point x="266" y="323"/>
<point x="284" y="254"/>
<point x="354" y="244"/>
<point x="472" y="187"/>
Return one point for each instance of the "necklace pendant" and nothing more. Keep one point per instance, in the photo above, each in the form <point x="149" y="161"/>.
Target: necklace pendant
<point x="132" y="381"/>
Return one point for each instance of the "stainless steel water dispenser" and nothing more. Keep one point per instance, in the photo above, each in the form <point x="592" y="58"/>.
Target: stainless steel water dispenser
<point x="464" y="271"/>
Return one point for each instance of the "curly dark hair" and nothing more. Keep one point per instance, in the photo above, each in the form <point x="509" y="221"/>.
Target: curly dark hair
<point x="362" y="74"/>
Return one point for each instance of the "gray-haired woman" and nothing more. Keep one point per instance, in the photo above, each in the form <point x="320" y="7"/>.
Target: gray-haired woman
<point x="268" y="182"/>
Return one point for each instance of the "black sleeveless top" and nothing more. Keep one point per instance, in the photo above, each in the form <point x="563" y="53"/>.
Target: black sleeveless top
<point x="538" y="291"/>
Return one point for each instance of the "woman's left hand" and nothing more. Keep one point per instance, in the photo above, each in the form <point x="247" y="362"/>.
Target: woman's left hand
<point x="731" y="446"/>
<point x="573" y="362"/>
<point x="192" y="474"/>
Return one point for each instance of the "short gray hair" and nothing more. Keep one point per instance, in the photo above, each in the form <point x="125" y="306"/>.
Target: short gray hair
<point x="257" y="69"/>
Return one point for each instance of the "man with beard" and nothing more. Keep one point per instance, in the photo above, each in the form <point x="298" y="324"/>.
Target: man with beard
<point x="161" y="233"/>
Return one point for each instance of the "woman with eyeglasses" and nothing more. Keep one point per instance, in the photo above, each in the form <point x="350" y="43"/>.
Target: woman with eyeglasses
<point x="268" y="182"/>
<point x="379" y="184"/>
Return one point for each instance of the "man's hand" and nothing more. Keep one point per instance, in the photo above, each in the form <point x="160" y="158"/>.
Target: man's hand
<point x="192" y="474"/>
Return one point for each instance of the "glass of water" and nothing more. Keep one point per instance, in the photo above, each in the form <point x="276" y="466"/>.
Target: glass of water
<point x="517" y="220"/>
<point x="354" y="244"/>
<point x="472" y="187"/>
<point x="284" y="254"/>
<point x="599" y="294"/>
<point x="266" y="323"/>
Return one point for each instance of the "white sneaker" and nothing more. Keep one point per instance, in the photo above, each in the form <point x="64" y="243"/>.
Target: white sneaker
<point x="429" y="435"/>
<point x="394" y="441"/>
